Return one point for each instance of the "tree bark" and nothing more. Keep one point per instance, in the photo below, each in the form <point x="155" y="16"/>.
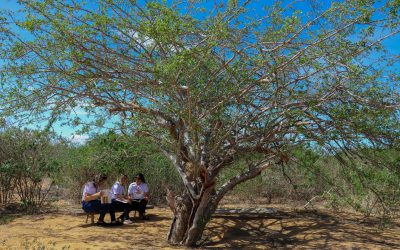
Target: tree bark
<point x="190" y="218"/>
<point x="181" y="206"/>
<point x="201" y="216"/>
<point x="191" y="214"/>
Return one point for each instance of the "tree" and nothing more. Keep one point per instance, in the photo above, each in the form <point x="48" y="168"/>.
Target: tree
<point x="210" y="86"/>
<point x="27" y="159"/>
<point x="115" y="154"/>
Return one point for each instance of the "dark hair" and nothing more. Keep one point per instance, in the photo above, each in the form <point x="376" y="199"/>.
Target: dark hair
<point x="141" y="177"/>
<point x="98" y="178"/>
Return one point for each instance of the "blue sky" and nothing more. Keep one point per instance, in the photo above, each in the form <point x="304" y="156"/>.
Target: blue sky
<point x="392" y="44"/>
<point x="68" y="132"/>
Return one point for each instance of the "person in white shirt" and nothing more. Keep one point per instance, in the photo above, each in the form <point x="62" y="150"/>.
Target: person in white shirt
<point x="91" y="200"/>
<point x="138" y="194"/>
<point x="119" y="200"/>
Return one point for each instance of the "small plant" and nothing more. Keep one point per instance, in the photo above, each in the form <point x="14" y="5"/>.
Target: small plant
<point x="6" y="218"/>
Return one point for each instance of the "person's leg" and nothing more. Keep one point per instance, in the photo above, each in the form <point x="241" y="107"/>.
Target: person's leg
<point x="127" y="210"/>
<point x="95" y="206"/>
<point x="103" y="208"/>
<point x="111" y="210"/>
<point x="86" y="206"/>
<point x="142" y="208"/>
<point x="120" y="206"/>
<point x="135" y="205"/>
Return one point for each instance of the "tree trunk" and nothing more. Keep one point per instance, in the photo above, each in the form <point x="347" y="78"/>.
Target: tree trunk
<point x="190" y="218"/>
<point x="181" y="207"/>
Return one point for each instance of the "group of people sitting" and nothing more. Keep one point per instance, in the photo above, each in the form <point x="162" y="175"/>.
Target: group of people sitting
<point x="136" y="199"/>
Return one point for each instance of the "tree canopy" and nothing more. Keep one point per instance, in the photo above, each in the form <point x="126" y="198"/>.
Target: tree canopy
<point x="209" y="83"/>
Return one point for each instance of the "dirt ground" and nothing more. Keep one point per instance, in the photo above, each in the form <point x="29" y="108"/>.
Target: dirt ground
<point x="285" y="229"/>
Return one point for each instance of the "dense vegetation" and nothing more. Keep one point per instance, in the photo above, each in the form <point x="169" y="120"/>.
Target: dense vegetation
<point x="27" y="159"/>
<point x="34" y="162"/>
<point x="225" y="91"/>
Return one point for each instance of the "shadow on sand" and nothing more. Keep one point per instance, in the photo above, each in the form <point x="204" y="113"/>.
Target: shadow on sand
<point x="306" y="229"/>
<point x="135" y="220"/>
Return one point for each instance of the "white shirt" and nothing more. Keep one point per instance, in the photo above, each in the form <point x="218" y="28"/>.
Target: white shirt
<point x="117" y="188"/>
<point x="137" y="191"/>
<point x="89" y="189"/>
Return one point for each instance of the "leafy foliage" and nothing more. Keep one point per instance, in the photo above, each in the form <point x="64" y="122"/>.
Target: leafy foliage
<point x="114" y="155"/>
<point x="28" y="164"/>
<point x="366" y="181"/>
<point x="209" y="87"/>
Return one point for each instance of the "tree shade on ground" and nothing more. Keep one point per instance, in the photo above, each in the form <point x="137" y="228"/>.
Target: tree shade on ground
<point x="209" y="86"/>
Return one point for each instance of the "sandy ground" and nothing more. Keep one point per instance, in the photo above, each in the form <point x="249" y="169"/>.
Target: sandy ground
<point x="282" y="230"/>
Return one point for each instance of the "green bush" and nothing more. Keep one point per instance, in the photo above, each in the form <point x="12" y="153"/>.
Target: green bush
<point x="365" y="180"/>
<point x="28" y="165"/>
<point x="113" y="155"/>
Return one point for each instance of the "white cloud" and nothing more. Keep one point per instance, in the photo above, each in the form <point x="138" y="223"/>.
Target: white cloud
<point x="134" y="35"/>
<point x="79" y="139"/>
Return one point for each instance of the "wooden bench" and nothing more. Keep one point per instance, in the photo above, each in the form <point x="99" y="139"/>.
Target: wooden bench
<point x="91" y="214"/>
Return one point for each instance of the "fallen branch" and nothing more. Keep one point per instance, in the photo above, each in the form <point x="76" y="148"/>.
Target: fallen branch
<point x="318" y="196"/>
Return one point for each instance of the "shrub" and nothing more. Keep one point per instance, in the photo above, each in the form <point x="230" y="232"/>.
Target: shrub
<point x="28" y="166"/>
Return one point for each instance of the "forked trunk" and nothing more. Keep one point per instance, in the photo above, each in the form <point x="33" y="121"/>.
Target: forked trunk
<point x="190" y="218"/>
<point x="181" y="207"/>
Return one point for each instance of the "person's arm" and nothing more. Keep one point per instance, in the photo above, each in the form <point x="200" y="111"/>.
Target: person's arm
<point x="130" y="198"/>
<point x="146" y="193"/>
<point x="120" y="196"/>
<point x="146" y="196"/>
<point x="115" y="190"/>
<point x="91" y="197"/>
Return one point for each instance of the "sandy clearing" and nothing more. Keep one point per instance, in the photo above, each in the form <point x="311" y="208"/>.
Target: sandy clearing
<point x="294" y="230"/>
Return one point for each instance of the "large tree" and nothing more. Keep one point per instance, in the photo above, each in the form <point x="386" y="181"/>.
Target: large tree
<point x="209" y="82"/>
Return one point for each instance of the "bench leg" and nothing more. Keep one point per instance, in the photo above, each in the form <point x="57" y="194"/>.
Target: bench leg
<point x="91" y="217"/>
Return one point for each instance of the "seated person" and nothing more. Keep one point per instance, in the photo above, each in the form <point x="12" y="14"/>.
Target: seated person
<point x="138" y="194"/>
<point x="91" y="200"/>
<point x="118" y="199"/>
